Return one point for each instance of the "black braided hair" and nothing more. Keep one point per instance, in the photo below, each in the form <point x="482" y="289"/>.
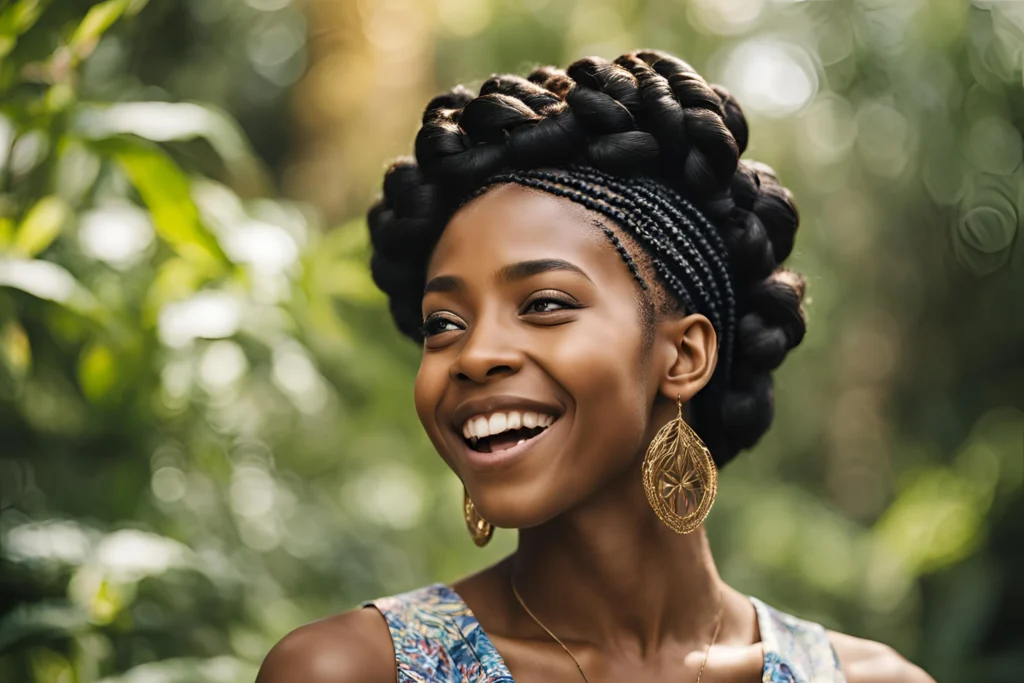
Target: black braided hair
<point x="644" y="141"/>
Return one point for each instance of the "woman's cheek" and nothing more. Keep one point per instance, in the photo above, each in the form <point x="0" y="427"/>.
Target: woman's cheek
<point x="427" y="393"/>
<point x="607" y="389"/>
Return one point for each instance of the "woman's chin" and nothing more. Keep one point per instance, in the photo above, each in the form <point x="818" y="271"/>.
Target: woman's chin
<point x="517" y="510"/>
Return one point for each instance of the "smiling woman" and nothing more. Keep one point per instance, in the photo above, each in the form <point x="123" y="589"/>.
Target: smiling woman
<point x="595" y="278"/>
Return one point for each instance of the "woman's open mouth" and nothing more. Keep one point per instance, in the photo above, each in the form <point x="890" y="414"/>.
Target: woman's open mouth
<point x="502" y="430"/>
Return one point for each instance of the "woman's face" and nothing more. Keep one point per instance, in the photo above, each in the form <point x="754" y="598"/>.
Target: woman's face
<point x="535" y="385"/>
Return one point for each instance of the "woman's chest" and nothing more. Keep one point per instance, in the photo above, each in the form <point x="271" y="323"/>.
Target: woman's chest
<point x="533" y="662"/>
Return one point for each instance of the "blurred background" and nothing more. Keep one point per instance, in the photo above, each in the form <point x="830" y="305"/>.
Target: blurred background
<point x="207" y="435"/>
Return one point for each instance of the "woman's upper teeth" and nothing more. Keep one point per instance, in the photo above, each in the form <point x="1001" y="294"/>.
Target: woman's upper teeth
<point x="480" y="426"/>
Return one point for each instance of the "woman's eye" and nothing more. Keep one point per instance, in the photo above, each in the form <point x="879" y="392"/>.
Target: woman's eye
<point x="549" y="305"/>
<point x="544" y="306"/>
<point x="437" y="324"/>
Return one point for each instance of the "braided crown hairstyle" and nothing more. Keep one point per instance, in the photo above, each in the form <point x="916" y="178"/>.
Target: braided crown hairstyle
<point x="646" y="142"/>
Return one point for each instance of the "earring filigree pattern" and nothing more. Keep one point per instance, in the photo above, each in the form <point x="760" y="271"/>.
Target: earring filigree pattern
<point x="680" y="477"/>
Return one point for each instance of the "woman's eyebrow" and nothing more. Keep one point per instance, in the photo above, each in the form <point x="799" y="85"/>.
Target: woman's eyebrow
<point x="524" y="269"/>
<point x="510" y="273"/>
<point x="444" y="283"/>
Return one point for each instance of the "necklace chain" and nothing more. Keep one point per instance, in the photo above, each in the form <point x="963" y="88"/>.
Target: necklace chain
<point x="519" y="599"/>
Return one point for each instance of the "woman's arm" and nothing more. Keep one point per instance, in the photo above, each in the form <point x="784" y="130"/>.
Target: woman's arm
<point x="354" y="647"/>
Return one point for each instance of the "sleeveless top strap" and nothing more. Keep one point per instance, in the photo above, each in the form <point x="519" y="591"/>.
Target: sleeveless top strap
<point x="438" y="640"/>
<point x="795" y="650"/>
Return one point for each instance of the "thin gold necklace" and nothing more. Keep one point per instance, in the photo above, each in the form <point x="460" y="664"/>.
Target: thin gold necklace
<point x="519" y="598"/>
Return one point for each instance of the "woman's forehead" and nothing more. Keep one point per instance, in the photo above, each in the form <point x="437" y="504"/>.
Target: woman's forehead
<point x="511" y="223"/>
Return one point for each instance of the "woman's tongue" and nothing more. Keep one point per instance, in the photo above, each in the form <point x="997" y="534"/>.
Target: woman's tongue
<point x="501" y="442"/>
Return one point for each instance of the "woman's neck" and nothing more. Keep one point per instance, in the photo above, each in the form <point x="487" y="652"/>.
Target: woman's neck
<point x="609" y="572"/>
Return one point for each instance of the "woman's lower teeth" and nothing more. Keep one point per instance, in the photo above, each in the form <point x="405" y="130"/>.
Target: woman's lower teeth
<point x="503" y="441"/>
<point x="490" y="447"/>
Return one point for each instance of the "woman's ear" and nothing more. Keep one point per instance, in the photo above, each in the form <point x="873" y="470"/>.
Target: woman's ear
<point x="691" y="345"/>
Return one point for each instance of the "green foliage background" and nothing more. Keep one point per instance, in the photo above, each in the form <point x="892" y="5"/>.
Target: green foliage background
<point x="206" y="428"/>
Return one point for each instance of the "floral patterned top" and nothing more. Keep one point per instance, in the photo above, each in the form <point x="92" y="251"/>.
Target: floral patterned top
<point x="438" y="640"/>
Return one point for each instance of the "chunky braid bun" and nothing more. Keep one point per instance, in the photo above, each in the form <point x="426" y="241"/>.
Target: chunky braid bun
<point x="656" y="137"/>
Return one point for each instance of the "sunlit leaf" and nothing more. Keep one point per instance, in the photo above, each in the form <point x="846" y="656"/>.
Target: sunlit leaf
<point x="171" y="121"/>
<point x="41" y="225"/>
<point x="15" y="349"/>
<point x="6" y="232"/>
<point x="936" y="521"/>
<point x="97" y="20"/>
<point x="164" y="189"/>
<point x="59" y="97"/>
<point x="97" y="372"/>
<point x="44" y="280"/>
<point x="16" y="19"/>
<point x="339" y="268"/>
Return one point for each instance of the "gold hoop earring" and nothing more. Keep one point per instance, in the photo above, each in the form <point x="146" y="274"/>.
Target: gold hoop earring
<point x="680" y="477"/>
<point x="479" y="528"/>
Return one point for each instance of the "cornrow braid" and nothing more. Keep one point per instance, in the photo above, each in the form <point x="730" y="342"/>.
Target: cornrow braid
<point x="637" y="225"/>
<point x="624" y="195"/>
<point x="650" y="146"/>
<point x="623" y="202"/>
<point x="701" y="239"/>
<point x="608" y="232"/>
<point x="626" y="256"/>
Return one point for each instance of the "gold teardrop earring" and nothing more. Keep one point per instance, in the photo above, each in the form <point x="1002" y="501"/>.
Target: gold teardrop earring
<point x="680" y="477"/>
<point x="479" y="528"/>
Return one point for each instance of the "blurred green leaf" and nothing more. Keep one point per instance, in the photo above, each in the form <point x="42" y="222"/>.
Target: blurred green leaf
<point x="14" y="346"/>
<point x="41" y="225"/>
<point x="97" y="372"/>
<point x="97" y="20"/>
<point x="164" y="189"/>
<point x="936" y="521"/>
<point x="17" y="18"/>
<point x="15" y="357"/>
<point x="47" y="618"/>
<point x="171" y="121"/>
<point x="49" y="281"/>
<point x="6" y="232"/>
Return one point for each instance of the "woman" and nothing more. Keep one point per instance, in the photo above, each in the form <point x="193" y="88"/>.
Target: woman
<point x="595" y="278"/>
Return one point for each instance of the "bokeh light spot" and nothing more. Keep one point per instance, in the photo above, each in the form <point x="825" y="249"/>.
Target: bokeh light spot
<point x="252" y="491"/>
<point x="726" y="17"/>
<point x="772" y="77"/>
<point x="222" y="364"/>
<point x="168" y="484"/>
<point x="391" y="496"/>
<point x="994" y="145"/>
<point x="208" y="314"/>
<point x="116" y="232"/>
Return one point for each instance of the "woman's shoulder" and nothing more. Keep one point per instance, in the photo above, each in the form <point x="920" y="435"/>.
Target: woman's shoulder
<point x="867" y="661"/>
<point x="828" y="655"/>
<point x="359" y="645"/>
<point x="348" y="647"/>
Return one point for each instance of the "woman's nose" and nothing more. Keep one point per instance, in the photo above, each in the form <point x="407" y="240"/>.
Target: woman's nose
<point x="487" y="354"/>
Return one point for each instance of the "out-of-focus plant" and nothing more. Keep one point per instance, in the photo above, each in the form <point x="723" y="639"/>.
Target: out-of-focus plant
<point x="163" y="330"/>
